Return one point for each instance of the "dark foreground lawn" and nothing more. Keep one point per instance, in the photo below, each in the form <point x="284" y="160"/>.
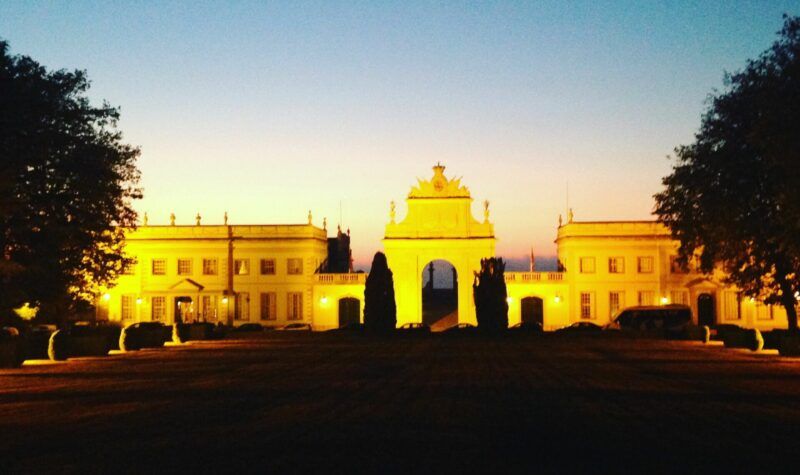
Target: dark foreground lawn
<point x="343" y="404"/>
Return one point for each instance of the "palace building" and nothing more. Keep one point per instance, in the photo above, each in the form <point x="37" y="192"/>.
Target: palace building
<point x="280" y="274"/>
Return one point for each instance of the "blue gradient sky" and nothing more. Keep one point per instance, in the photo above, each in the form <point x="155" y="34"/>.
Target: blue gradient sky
<point x="270" y="109"/>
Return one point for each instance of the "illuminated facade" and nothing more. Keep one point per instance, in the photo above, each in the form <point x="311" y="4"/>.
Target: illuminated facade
<point x="275" y="274"/>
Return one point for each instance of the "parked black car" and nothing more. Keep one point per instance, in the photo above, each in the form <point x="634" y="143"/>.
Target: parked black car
<point x="667" y="318"/>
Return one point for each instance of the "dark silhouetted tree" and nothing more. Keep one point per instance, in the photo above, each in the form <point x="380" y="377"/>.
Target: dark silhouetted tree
<point x="66" y="187"/>
<point x="380" y="311"/>
<point x="489" y="292"/>
<point x="733" y="198"/>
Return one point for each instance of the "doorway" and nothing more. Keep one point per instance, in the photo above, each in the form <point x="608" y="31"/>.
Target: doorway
<point x="349" y="311"/>
<point x="184" y="309"/>
<point x="706" y="314"/>
<point x="532" y="309"/>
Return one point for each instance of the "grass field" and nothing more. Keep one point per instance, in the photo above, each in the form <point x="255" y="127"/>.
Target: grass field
<point x="346" y="404"/>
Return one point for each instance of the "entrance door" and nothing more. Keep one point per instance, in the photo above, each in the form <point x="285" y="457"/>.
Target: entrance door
<point x="349" y="311"/>
<point x="706" y="315"/>
<point x="532" y="310"/>
<point x="184" y="310"/>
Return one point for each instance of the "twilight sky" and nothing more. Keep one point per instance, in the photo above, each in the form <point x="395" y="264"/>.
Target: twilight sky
<point x="269" y="109"/>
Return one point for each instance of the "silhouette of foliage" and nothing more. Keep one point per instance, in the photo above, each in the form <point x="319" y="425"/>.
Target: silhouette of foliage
<point x="380" y="310"/>
<point x="733" y="198"/>
<point x="66" y="187"/>
<point x="489" y="292"/>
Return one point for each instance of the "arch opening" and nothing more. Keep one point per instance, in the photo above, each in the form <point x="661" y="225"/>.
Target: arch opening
<point x="439" y="295"/>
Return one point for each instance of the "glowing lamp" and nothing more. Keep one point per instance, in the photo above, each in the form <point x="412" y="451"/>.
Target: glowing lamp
<point x="139" y="301"/>
<point x="557" y="299"/>
<point x="664" y="300"/>
<point x="225" y="300"/>
<point x="106" y="296"/>
<point x="510" y="299"/>
<point x="752" y="300"/>
<point x="323" y="300"/>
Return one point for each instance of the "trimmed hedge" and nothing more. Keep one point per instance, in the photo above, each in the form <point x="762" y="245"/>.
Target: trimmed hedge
<point x="183" y="332"/>
<point x="82" y="341"/>
<point x="12" y="348"/>
<point x="143" y="335"/>
<point x="789" y="344"/>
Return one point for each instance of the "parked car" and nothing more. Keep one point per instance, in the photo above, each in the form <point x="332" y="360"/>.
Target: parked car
<point x="249" y="327"/>
<point x="461" y="328"/>
<point x="297" y="327"/>
<point x="415" y="328"/>
<point x="670" y="319"/>
<point x="349" y="328"/>
<point x="527" y="327"/>
<point x="581" y="328"/>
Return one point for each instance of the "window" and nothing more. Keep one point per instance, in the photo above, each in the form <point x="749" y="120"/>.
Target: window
<point x="675" y="267"/>
<point x="267" y="266"/>
<point x="587" y="265"/>
<point x="731" y="307"/>
<point x="645" y="264"/>
<point x="616" y="302"/>
<point x="158" y="309"/>
<point x="587" y="305"/>
<point x="295" y="306"/>
<point x="210" y="267"/>
<point x="647" y="297"/>
<point x="184" y="267"/>
<point x="763" y="312"/>
<point x="241" y="266"/>
<point x="129" y="269"/>
<point x="208" y="307"/>
<point x="126" y="307"/>
<point x="242" y="308"/>
<point x="159" y="266"/>
<point x="616" y="265"/>
<point x="294" y="266"/>
<point x="679" y="297"/>
<point x="268" y="306"/>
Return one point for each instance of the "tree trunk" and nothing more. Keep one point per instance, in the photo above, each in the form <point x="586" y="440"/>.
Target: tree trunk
<point x="791" y="313"/>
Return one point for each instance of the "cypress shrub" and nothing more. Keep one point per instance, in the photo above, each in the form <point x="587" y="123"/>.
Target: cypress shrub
<point x="490" y="294"/>
<point x="380" y="310"/>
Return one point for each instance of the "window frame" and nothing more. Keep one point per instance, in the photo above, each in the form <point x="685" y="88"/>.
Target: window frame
<point x="153" y="266"/>
<point x="640" y="268"/>
<point x="292" y="271"/>
<point x="616" y="269"/>
<point x="263" y="268"/>
<point x="268" y="306"/>
<point x="588" y="259"/>
<point x="208" y="260"/>
<point x="292" y="304"/>
<point x="185" y="260"/>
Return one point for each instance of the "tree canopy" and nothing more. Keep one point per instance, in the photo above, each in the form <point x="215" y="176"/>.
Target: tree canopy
<point x="67" y="182"/>
<point x="733" y="198"/>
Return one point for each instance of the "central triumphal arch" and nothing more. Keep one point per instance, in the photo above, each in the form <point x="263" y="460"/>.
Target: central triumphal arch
<point x="438" y="225"/>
